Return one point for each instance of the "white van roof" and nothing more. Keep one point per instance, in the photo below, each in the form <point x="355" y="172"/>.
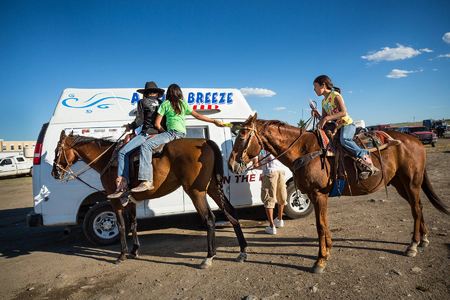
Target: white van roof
<point x="97" y="105"/>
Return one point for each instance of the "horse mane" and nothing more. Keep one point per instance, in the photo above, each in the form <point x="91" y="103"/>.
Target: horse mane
<point x="81" y="140"/>
<point x="280" y="124"/>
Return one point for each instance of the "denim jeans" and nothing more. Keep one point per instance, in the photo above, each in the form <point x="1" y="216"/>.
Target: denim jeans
<point x="145" y="158"/>
<point x="124" y="155"/>
<point x="346" y="139"/>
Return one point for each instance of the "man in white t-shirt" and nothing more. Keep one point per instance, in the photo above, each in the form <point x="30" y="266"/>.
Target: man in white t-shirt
<point x="273" y="189"/>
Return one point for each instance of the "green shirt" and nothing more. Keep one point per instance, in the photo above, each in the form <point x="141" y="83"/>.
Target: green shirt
<point x="174" y="121"/>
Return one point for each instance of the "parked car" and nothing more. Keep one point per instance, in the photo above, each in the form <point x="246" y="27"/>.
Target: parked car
<point x="15" y="165"/>
<point x="422" y="133"/>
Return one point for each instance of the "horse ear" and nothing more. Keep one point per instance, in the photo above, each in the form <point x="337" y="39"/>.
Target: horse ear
<point x="62" y="135"/>
<point x="71" y="133"/>
<point x="255" y="116"/>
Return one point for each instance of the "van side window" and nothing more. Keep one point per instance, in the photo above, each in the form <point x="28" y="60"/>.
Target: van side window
<point x="5" y="162"/>
<point x="20" y="159"/>
<point x="197" y="132"/>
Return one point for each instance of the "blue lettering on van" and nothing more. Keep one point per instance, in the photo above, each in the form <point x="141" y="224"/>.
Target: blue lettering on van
<point x="74" y="102"/>
<point x="191" y="98"/>
<point x="199" y="98"/>
<point x="209" y="98"/>
<point x="135" y="98"/>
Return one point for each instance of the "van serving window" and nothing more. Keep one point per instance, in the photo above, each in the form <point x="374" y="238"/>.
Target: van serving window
<point x="197" y="132"/>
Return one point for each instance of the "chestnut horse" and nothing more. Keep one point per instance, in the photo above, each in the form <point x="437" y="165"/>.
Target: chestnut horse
<point x="194" y="164"/>
<point x="403" y="167"/>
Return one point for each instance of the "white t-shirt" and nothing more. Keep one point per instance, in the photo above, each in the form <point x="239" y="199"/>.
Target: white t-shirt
<point x="273" y="164"/>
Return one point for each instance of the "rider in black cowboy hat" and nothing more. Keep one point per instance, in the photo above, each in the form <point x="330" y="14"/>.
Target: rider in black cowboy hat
<point x="145" y="116"/>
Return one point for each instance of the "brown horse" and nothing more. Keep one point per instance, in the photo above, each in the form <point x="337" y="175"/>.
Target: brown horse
<point x="403" y="167"/>
<point x="194" y="164"/>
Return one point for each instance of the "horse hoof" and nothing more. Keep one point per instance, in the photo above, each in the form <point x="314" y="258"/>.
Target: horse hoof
<point x="207" y="262"/>
<point x="133" y="255"/>
<point x="424" y="244"/>
<point x="411" y="253"/>
<point x="318" y="269"/>
<point x="242" y="257"/>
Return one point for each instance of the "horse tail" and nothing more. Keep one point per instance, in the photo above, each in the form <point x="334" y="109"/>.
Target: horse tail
<point x="431" y="195"/>
<point x="218" y="173"/>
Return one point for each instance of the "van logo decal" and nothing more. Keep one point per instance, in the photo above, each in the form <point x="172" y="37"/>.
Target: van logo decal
<point x="74" y="102"/>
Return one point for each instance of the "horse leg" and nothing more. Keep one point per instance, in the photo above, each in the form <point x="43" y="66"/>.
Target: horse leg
<point x="320" y="208"/>
<point x="201" y="205"/>
<point x="411" y="193"/>
<point x="424" y="241"/>
<point x="216" y="193"/>
<point x="123" y="236"/>
<point x="132" y="210"/>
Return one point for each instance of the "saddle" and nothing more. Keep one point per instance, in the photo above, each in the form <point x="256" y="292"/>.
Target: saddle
<point x="371" y="141"/>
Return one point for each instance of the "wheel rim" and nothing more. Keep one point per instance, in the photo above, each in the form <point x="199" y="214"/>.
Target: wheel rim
<point x="105" y="225"/>
<point x="299" y="202"/>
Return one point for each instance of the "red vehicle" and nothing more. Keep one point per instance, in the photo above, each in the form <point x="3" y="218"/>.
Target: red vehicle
<point x="422" y="133"/>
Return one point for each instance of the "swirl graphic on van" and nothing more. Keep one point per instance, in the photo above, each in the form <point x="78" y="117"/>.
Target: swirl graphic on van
<point x="74" y="102"/>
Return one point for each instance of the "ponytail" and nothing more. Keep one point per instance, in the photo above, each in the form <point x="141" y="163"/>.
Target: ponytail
<point x="324" y="79"/>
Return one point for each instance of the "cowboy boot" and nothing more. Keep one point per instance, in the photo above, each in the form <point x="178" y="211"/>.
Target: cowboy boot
<point x="122" y="187"/>
<point x="370" y="168"/>
<point x="143" y="186"/>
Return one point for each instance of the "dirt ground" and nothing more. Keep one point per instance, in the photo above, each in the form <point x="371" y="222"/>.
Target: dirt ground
<point x="370" y="235"/>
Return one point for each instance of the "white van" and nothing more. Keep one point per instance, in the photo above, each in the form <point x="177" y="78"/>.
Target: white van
<point x="101" y="113"/>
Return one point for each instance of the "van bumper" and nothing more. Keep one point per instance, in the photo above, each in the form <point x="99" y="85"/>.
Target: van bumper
<point x="34" y="219"/>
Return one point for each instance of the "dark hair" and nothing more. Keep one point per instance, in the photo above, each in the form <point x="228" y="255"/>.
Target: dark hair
<point x="175" y="95"/>
<point x="324" y="79"/>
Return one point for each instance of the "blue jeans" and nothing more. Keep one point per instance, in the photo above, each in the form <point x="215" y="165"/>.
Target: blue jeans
<point x="145" y="158"/>
<point x="346" y="139"/>
<point x="124" y="155"/>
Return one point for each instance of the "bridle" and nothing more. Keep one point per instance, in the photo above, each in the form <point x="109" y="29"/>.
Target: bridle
<point x="254" y="132"/>
<point x="68" y="173"/>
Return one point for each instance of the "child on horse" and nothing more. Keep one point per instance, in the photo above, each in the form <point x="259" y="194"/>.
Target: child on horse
<point x="145" y="115"/>
<point x="333" y="109"/>
<point x="175" y="109"/>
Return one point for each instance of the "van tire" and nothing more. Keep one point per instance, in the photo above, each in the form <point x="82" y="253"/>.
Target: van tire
<point x="106" y="230"/>
<point x="297" y="207"/>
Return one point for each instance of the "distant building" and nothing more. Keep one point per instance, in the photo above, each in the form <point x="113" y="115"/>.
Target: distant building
<point x="23" y="147"/>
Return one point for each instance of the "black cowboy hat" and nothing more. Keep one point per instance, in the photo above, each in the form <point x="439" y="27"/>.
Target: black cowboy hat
<point x="151" y="87"/>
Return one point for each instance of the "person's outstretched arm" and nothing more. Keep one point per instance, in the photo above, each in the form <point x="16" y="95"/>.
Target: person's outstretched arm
<point x="206" y="119"/>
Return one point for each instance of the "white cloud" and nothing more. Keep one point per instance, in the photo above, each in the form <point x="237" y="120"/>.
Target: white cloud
<point x="446" y="37"/>
<point x="391" y="54"/>
<point x="257" y="92"/>
<point x="444" y="56"/>
<point x="280" y="108"/>
<point x="396" y="73"/>
<point x="426" y="50"/>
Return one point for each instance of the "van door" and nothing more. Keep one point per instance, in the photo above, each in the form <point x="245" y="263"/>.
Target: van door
<point x="244" y="189"/>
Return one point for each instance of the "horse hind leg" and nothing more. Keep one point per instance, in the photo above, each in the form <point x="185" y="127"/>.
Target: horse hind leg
<point x="216" y="192"/>
<point x="411" y="192"/>
<point x="203" y="209"/>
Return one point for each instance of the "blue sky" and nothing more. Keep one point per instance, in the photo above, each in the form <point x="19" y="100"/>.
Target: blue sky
<point x="390" y="58"/>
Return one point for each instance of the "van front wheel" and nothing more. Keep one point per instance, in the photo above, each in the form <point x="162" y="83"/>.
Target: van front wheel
<point x="100" y="225"/>
<point x="298" y="204"/>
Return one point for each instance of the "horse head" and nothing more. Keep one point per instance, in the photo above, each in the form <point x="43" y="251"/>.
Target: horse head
<point x="247" y="146"/>
<point x="65" y="156"/>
